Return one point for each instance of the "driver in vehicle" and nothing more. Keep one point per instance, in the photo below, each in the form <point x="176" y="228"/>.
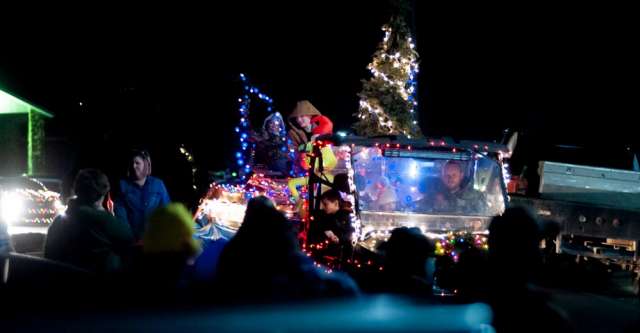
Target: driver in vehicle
<point x="453" y="194"/>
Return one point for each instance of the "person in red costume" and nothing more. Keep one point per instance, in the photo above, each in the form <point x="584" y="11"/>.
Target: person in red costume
<point x="307" y="123"/>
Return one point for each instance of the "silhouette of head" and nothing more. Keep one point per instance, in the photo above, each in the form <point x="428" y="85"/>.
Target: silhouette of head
<point x="406" y="252"/>
<point x="514" y="244"/>
<point x="91" y="185"/>
<point x="265" y="232"/>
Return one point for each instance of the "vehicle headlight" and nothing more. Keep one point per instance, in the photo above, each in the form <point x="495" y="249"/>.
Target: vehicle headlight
<point x="11" y="207"/>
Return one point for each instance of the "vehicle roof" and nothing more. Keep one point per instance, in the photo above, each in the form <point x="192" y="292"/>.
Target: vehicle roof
<point x="394" y="141"/>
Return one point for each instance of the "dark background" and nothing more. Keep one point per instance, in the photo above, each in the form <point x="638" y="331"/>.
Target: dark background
<point x="162" y="75"/>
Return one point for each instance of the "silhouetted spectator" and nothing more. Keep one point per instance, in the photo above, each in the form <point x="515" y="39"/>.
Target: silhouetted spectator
<point x="139" y="194"/>
<point x="514" y="257"/>
<point x="263" y="262"/>
<point x="405" y="263"/>
<point x="86" y="235"/>
<point x="471" y="280"/>
<point x="169" y="244"/>
<point x="160" y="275"/>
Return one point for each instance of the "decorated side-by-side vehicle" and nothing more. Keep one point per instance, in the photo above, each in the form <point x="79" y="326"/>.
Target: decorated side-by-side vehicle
<point x="439" y="186"/>
<point x="447" y="189"/>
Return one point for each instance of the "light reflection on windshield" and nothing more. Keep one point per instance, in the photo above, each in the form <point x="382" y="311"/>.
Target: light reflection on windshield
<point x="427" y="185"/>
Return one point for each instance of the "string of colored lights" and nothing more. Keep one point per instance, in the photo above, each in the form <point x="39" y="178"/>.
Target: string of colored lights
<point x="226" y="203"/>
<point x="455" y="242"/>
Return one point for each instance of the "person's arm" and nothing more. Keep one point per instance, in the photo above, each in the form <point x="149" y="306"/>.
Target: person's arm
<point x="255" y="137"/>
<point x="120" y="212"/>
<point x="298" y="137"/>
<point x="331" y="227"/>
<point x="324" y="125"/>
<point x="331" y="236"/>
<point x="344" y="229"/>
<point x="119" y="209"/>
<point x="164" y="195"/>
<point x="119" y="232"/>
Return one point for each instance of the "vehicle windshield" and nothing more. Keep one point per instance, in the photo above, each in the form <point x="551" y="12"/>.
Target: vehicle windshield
<point x="427" y="182"/>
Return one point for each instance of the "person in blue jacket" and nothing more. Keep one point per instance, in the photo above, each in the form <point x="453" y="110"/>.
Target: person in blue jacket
<point x="139" y="194"/>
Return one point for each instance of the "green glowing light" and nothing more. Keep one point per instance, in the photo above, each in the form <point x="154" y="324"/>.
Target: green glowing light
<point x="35" y="132"/>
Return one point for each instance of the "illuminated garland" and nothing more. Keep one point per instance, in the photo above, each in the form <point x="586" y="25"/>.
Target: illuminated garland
<point x="454" y="242"/>
<point x="256" y="185"/>
<point x="228" y="201"/>
<point x="355" y="220"/>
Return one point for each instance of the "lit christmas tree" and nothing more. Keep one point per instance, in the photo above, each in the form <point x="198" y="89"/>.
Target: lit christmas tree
<point x="388" y="99"/>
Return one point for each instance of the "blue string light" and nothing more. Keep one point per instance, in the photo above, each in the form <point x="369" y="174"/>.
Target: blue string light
<point x="243" y="129"/>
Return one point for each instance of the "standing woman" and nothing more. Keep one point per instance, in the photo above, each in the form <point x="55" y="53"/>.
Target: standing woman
<point x="139" y="194"/>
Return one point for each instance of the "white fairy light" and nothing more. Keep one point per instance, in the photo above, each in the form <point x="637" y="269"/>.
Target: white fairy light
<point x="404" y="61"/>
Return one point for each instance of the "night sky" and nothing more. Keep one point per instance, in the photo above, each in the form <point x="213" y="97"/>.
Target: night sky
<point x="560" y="74"/>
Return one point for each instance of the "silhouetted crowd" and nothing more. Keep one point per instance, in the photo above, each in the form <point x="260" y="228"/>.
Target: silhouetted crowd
<point x="141" y="252"/>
